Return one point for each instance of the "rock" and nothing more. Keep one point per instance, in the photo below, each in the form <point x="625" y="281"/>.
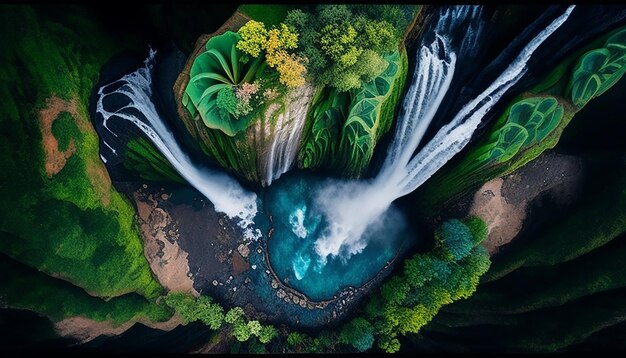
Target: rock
<point x="253" y="267"/>
<point x="281" y="293"/>
<point x="244" y="250"/>
<point x="303" y="303"/>
<point x="165" y="196"/>
<point x="296" y="300"/>
<point x="274" y="284"/>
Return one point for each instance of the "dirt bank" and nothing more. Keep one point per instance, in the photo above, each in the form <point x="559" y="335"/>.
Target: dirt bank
<point x="161" y="237"/>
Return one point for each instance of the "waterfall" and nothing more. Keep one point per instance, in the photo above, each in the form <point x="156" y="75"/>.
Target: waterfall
<point x="222" y="190"/>
<point x="277" y="140"/>
<point x="351" y="207"/>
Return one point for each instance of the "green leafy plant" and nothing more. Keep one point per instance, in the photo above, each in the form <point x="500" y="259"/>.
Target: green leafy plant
<point x="599" y="69"/>
<point x="219" y="68"/>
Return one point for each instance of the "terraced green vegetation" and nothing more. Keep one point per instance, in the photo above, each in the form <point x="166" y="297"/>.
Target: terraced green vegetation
<point x="591" y="285"/>
<point x="73" y="224"/>
<point x="363" y="116"/>
<point x="26" y="288"/>
<point x="588" y="227"/>
<point x="534" y="121"/>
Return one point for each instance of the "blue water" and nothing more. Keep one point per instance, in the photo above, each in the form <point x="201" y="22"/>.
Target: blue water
<point x="297" y="224"/>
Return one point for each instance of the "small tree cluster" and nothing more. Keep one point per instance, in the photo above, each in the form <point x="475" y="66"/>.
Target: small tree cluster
<point x="191" y="309"/>
<point x="242" y="330"/>
<point x="212" y="315"/>
<point x="410" y="300"/>
<point x="277" y="44"/>
<point x="344" y="44"/>
<point x="299" y="342"/>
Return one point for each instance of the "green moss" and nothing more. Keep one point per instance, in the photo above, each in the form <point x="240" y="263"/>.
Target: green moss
<point x="61" y="225"/>
<point x="64" y="129"/>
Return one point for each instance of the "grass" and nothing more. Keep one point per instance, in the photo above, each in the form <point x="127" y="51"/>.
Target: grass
<point x="266" y="13"/>
<point x="61" y="225"/>
<point x="143" y="158"/>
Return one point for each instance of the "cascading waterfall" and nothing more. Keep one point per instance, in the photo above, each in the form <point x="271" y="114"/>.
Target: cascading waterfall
<point x="351" y="207"/>
<point x="279" y="139"/>
<point x="222" y="190"/>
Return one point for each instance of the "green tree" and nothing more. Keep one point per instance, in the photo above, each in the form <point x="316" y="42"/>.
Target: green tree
<point x="334" y="14"/>
<point x="184" y="304"/>
<point x="359" y="333"/>
<point x="379" y="36"/>
<point x="295" y="339"/>
<point x="478" y="228"/>
<point x="395" y="290"/>
<point x="211" y="314"/>
<point x="255" y="327"/>
<point x="241" y="331"/>
<point x="454" y="240"/>
<point x="234" y="315"/>
<point x="390" y="345"/>
<point x="267" y="333"/>
<point x="423" y="268"/>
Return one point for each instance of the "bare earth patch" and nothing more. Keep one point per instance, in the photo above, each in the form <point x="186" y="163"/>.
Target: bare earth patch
<point x="503" y="220"/>
<point x="85" y="329"/>
<point x="56" y="159"/>
<point x="503" y="202"/>
<point x="160" y="236"/>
